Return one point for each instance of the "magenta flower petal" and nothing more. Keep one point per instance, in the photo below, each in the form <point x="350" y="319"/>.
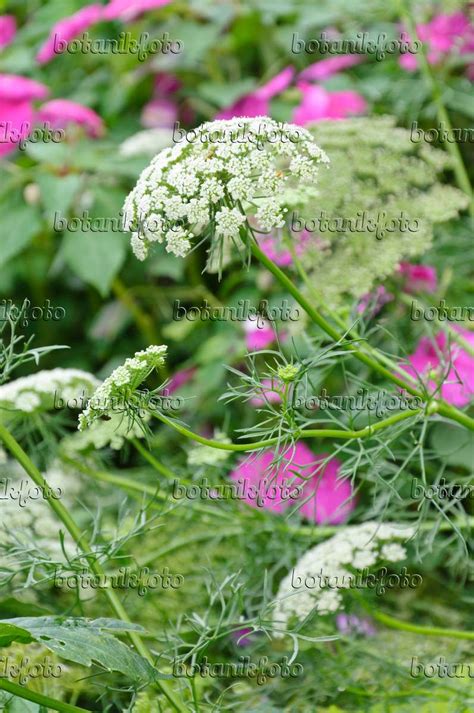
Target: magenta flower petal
<point x="435" y="356"/>
<point x="61" y="112"/>
<point x="267" y="395"/>
<point x="376" y="299"/>
<point x="257" y="336"/>
<point x="247" y="106"/>
<point x="180" y="378"/>
<point x="15" y="88"/>
<point x="418" y="278"/>
<point x="17" y="121"/>
<point x="325" y="68"/>
<point x="298" y="466"/>
<point x="68" y="29"/>
<point x="276" y="85"/>
<point x="126" y="10"/>
<point x="317" y="104"/>
<point x="7" y="30"/>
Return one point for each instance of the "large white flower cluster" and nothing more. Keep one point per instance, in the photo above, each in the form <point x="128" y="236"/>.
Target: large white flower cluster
<point x="41" y="391"/>
<point x="215" y="177"/>
<point x="117" y="394"/>
<point x="337" y="559"/>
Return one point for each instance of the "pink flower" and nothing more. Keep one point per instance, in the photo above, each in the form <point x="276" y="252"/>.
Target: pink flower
<point x="126" y="10"/>
<point x="258" y="334"/>
<point x="180" y="379"/>
<point x="327" y="67"/>
<point x="443" y="35"/>
<point x="7" y="30"/>
<point x="375" y="299"/>
<point x="61" y="112"/>
<point x="317" y="103"/>
<point x="271" y="246"/>
<point x="329" y="499"/>
<point x="432" y="359"/>
<point x="269" y="394"/>
<point x="352" y="624"/>
<point x="16" y="109"/>
<point x="257" y="103"/>
<point x="15" y="88"/>
<point x="66" y="30"/>
<point x="240" y="637"/>
<point x="418" y="278"/>
<point x="160" y="113"/>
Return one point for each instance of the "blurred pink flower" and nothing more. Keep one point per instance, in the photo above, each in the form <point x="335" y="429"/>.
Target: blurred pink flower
<point x="352" y="624"/>
<point x="418" y="278"/>
<point x="268" y="394"/>
<point x="273" y="249"/>
<point x="159" y="113"/>
<point x="257" y="103"/>
<point x="7" y="30"/>
<point x="442" y="35"/>
<point x="15" y="88"/>
<point x="240" y="637"/>
<point x="16" y="109"/>
<point x="431" y="360"/>
<point x="180" y="378"/>
<point x="61" y="112"/>
<point x="68" y="29"/>
<point x="126" y="10"/>
<point x="326" y="495"/>
<point x="317" y="103"/>
<point x="258" y="334"/>
<point x="327" y="67"/>
<point x="375" y="299"/>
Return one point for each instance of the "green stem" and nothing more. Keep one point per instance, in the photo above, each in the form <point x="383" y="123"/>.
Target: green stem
<point x="309" y="433"/>
<point x="42" y="700"/>
<point x="159" y="467"/>
<point x="453" y="148"/>
<point x="393" y="623"/>
<point x="76" y="534"/>
<point x="143" y="320"/>
<point x="441" y="407"/>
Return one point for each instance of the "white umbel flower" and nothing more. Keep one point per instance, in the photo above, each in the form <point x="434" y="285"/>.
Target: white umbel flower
<point x="237" y="168"/>
<point x="318" y="579"/>
<point x="117" y="392"/>
<point x="46" y="390"/>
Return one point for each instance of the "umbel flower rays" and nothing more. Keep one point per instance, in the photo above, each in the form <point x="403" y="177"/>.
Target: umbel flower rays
<point x="218" y="175"/>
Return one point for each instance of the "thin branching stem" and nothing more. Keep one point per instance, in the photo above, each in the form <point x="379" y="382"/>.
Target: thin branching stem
<point x="63" y="514"/>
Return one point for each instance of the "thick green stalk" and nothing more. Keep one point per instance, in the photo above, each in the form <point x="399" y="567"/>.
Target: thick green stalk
<point x="393" y="623"/>
<point x="39" y="698"/>
<point x="63" y="514"/>
<point x="442" y="407"/>
<point x="308" y="433"/>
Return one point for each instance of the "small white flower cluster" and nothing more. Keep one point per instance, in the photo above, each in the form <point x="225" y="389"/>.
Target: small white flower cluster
<point x="353" y="548"/>
<point x="192" y="187"/>
<point x="120" y="386"/>
<point x="40" y="391"/>
<point x="101" y="434"/>
<point x="35" y="522"/>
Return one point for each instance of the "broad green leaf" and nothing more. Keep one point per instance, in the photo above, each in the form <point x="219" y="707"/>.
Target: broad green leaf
<point x="11" y="632"/>
<point x="18" y="224"/>
<point x="454" y="445"/>
<point x="84" y="641"/>
<point x="57" y="192"/>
